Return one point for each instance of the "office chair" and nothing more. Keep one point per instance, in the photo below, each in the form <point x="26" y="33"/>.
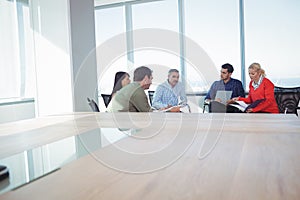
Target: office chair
<point x="287" y="99"/>
<point x="205" y="105"/>
<point x="3" y="172"/>
<point x="93" y="105"/>
<point x="150" y="94"/>
<point x="106" y="99"/>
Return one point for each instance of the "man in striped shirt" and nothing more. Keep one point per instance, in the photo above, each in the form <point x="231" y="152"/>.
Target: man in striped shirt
<point x="170" y="93"/>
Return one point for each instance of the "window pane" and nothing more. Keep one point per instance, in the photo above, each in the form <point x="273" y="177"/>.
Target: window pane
<point x="214" y="25"/>
<point x="109" y="23"/>
<point x="272" y="29"/>
<point x="160" y="14"/>
<point x="16" y="50"/>
<point x="28" y="52"/>
<point x="9" y="51"/>
<point x="156" y="15"/>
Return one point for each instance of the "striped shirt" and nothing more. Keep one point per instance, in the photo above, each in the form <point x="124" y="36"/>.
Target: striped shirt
<point x="166" y="95"/>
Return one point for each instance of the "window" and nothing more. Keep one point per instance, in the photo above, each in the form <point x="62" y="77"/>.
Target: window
<point x="16" y="50"/>
<point x="214" y="25"/>
<point x="272" y="29"/>
<point x="109" y="24"/>
<point x="9" y="51"/>
<point x="156" y="15"/>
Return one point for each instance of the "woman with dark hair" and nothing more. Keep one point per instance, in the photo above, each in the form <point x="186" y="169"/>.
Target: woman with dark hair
<point x="121" y="80"/>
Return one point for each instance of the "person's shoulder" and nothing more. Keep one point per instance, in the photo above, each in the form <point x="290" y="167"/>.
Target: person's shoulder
<point x="132" y="85"/>
<point x="217" y="82"/>
<point x="162" y="86"/>
<point x="236" y="80"/>
<point x="267" y="81"/>
<point x="129" y="89"/>
<point x="179" y="85"/>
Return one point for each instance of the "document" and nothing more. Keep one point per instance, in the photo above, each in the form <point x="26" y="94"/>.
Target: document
<point x="177" y="108"/>
<point x="243" y="106"/>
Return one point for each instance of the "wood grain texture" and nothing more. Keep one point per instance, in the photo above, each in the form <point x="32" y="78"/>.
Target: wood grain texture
<point x="201" y="156"/>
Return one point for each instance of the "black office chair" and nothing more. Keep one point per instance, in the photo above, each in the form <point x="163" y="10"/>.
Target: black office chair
<point x="106" y="99"/>
<point x="3" y="172"/>
<point x="205" y="105"/>
<point x="287" y="99"/>
<point x="93" y="105"/>
<point x="150" y="94"/>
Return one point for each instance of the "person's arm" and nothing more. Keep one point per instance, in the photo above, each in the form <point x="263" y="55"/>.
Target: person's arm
<point x="140" y="101"/>
<point x="246" y="99"/>
<point x="157" y="98"/>
<point x="208" y="96"/>
<point x="240" y="89"/>
<point x="269" y="94"/>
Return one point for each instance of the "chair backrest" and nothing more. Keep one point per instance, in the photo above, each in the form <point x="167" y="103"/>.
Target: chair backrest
<point x="287" y="99"/>
<point x="150" y="94"/>
<point x="106" y="99"/>
<point x="93" y="105"/>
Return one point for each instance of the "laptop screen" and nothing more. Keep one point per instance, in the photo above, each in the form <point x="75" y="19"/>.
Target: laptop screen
<point x="223" y="95"/>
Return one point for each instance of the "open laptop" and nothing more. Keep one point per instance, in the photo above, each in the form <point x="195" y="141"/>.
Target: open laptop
<point x="223" y="95"/>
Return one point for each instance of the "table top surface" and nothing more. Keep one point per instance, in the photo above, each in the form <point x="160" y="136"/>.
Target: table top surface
<point x="165" y="156"/>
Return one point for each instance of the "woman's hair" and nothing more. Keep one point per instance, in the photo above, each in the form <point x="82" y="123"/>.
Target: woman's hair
<point x="118" y="81"/>
<point x="257" y="67"/>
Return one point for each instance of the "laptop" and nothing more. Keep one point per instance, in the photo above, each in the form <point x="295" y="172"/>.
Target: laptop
<point x="223" y="95"/>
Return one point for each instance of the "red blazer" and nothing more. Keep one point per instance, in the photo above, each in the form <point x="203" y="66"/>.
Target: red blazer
<point x="264" y="91"/>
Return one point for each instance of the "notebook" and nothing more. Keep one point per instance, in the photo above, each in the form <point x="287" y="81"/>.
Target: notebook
<point x="243" y="106"/>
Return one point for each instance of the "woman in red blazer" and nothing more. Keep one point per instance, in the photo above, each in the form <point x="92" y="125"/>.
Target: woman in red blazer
<point x="260" y="88"/>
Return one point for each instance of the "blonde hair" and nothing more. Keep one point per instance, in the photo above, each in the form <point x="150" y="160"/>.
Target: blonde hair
<point x="257" y="67"/>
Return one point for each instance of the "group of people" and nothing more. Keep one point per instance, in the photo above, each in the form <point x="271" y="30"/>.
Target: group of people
<point x="131" y="97"/>
<point x="260" y="88"/>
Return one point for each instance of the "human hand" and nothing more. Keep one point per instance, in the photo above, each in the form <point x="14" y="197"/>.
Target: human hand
<point x="175" y="109"/>
<point x="218" y="99"/>
<point x="235" y="99"/>
<point x="249" y="110"/>
<point x="168" y="106"/>
<point x="232" y="100"/>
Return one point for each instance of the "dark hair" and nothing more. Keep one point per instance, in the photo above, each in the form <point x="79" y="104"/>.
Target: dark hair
<point x="141" y="72"/>
<point x="118" y="81"/>
<point x="172" y="70"/>
<point x="229" y="67"/>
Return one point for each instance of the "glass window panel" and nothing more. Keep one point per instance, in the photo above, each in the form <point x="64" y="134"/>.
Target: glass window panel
<point x="214" y="25"/>
<point x="272" y="29"/>
<point x="28" y="52"/>
<point x="16" y="50"/>
<point x="156" y="15"/>
<point x="160" y="14"/>
<point x="9" y="51"/>
<point x="109" y="23"/>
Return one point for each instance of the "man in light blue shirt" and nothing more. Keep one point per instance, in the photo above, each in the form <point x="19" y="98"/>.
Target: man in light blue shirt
<point x="169" y="93"/>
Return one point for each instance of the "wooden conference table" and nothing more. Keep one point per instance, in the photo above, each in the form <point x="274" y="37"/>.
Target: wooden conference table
<point x="166" y="156"/>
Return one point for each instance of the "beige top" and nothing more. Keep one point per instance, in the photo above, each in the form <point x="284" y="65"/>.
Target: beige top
<point x="130" y="98"/>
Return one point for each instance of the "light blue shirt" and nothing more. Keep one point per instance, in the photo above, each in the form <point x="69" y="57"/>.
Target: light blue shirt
<point x="166" y="95"/>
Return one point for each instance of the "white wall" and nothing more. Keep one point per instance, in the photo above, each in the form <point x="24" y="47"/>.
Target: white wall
<point x="64" y="36"/>
<point x="14" y="112"/>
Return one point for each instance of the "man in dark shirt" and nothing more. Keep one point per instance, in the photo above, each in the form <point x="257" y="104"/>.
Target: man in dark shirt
<point x="226" y="83"/>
